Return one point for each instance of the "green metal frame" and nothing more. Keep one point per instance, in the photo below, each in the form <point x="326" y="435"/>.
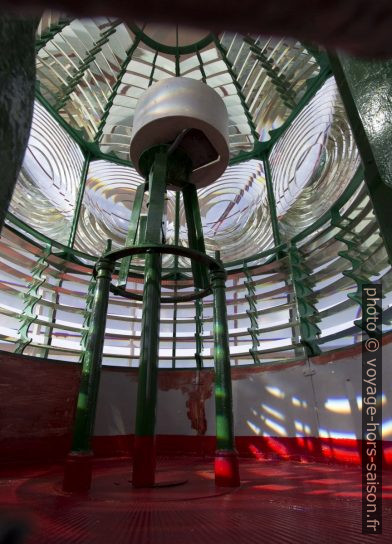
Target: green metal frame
<point x="261" y="151"/>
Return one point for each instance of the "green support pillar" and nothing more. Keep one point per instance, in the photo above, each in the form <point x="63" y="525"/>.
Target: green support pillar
<point x="77" y="475"/>
<point x="366" y="89"/>
<point x="144" y="445"/>
<point x="195" y="233"/>
<point x="133" y="231"/>
<point x="175" y="267"/>
<point x="226" y="459"/>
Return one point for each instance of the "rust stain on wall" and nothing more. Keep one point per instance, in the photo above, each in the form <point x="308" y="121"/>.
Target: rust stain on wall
<point x="198" y="386"/>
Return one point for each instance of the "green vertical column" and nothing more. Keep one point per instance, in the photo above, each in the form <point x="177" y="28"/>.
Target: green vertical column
<point x="77" y="476"/>
<point x="195" y="233"/>
<point x="175" y="275"/>
<point x="226" y="459"/>
<point x="144" y="444"/>
<point x="133" y="231"/>
<point x="271" y="202"/>
<point x="366" y="90"/>
<point x="79" y="201"/>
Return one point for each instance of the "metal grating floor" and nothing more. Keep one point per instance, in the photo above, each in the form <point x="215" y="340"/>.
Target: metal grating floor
<point x="278" y="501"/>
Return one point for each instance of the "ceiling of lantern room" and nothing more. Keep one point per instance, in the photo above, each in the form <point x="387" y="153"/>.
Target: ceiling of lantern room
<point x="90" y="74"/>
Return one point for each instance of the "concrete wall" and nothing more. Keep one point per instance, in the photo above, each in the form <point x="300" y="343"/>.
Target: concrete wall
<point x="320" y="397"/>
<point x="309" y="408"/>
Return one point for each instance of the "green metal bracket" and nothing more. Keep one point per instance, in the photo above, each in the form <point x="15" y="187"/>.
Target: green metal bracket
<point x="87" y="316"/>
<point x="305" y="300"/>
<point x="252" y="314"/>
<point x="51" y="32"/>
<point x="280" y="82"/>
<point x="356" y="257"/>
<point x="73" y="81"/>
<point x="109" y="104"/>
<point x="199" y="333"/>
<point x="31" y="297"/>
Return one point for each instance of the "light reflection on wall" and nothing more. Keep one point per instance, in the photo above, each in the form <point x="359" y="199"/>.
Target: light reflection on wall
<point x="339" y="406"/>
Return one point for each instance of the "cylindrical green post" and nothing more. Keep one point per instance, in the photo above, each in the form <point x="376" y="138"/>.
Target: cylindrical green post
<point x="195" y="233"/>
<point x="226" y="459"/>
<point x="77" y="476"/>
<point x="144" y="444"/>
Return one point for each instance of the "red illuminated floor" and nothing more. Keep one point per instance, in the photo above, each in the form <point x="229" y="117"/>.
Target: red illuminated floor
<point x="282" y="502"/>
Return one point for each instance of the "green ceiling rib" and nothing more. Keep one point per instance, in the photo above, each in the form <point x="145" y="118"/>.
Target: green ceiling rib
<point x="233" y="76"/>
<point x="51" y="32"/>
<point x="150" y="81"/>
<point x="84" y="66"/>
<point x="170" y="49"/>
<point x="313" y="85"/>
<point x="116" y="86"/>
<point x="203" y="74"/>
<point x="178" y="71"/>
